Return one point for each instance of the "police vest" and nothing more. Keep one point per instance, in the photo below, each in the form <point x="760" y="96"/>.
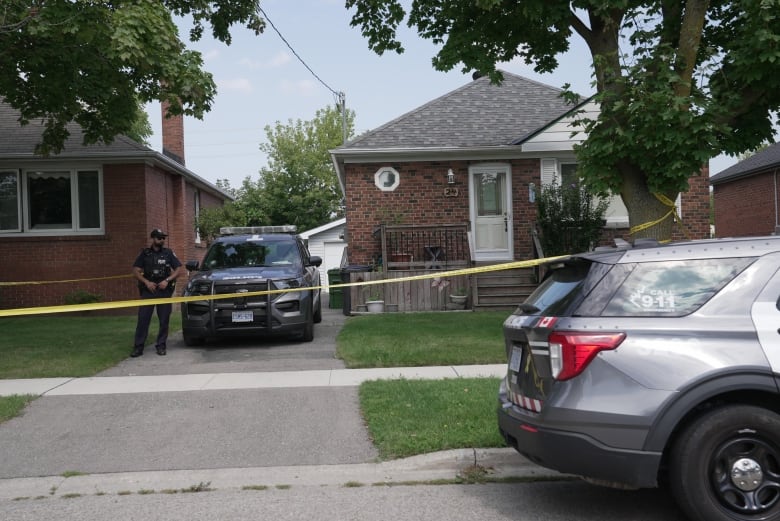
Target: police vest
<point x="157" y="264"/>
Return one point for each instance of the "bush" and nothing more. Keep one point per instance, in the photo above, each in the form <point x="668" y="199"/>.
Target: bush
<point x="82" y="297"/>
<point x="570" y="219"/>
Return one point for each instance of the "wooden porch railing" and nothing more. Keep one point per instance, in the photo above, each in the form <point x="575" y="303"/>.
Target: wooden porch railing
<point x="424" y="247"/>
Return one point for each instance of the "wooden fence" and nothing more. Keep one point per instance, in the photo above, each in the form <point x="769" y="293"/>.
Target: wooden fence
<point x="429" y="294"/>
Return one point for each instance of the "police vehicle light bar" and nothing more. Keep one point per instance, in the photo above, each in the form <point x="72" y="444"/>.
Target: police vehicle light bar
<point x="241" y="230"/>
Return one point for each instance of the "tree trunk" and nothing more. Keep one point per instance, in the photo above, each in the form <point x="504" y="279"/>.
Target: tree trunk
<point x="648" y="217"/>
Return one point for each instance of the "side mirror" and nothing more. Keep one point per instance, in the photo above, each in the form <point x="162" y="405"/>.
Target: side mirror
<point x="315" y="261"/>
<point x="191" y="265"/>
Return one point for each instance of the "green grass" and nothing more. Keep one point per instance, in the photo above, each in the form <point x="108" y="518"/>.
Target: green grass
<point x="404" y="417"/>
<point x="12" y="406"/>
<point x="67" y="346"/>
<point x="420" y="339"/>
<point x="409" y="417"/>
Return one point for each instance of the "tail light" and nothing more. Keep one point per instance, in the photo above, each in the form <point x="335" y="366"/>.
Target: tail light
<point x="571" y="352"/>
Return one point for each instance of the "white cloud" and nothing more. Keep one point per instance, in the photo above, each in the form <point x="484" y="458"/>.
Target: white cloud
<point x="235" y="85"/>
<point x="213" y="54"/>
<point x="280" y="59"/>
<point x="306" y="88"/>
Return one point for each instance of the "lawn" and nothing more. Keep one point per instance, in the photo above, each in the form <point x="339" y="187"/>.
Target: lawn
<point x="421" y="339"/>
<point x="409" y="417"/>
<point x="404" y="417"/>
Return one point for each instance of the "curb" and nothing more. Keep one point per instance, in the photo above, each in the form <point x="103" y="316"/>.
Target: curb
<point x="447" y="465"/>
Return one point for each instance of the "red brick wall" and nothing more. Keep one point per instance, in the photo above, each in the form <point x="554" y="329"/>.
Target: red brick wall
<point x="746" y="207"/>
<point x="137" y="198"/>
<point x="695" y="205"/>
<point x="419" y="199"/>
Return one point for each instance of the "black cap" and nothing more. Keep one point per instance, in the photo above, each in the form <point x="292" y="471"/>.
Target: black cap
<point x="158" y="234"/>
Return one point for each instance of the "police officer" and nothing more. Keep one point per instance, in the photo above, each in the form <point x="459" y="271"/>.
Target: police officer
<point x="156" y="269"/>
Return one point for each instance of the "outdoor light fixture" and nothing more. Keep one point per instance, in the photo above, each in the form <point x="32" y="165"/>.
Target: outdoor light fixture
<point x="450" y="177"/>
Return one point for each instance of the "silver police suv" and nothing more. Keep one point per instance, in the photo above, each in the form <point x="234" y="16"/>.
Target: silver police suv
<point x="246" y="261"/>
<point x="655" y="365"/>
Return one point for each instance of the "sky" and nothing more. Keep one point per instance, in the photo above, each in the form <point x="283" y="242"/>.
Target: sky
<point x="260" y="81"/>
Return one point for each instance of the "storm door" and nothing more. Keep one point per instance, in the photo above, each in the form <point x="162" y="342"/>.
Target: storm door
<point x="491" y="212"/>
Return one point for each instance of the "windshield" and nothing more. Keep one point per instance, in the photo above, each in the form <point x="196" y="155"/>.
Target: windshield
<point x="251" y="254"/>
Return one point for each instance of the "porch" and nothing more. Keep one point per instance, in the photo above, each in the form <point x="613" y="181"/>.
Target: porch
<point x="425" y="250"/>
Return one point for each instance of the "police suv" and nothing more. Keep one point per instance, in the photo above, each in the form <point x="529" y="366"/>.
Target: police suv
<point x="273" y="280"/>
<point x="642" y="366"/>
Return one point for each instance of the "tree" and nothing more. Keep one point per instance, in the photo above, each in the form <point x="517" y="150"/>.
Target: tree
<point x="677" y="81"/>
<point x="91" y="61"/>
<point x="299" y="186"/>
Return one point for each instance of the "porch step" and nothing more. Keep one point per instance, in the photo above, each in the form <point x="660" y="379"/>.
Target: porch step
<point x="504" y="289"/>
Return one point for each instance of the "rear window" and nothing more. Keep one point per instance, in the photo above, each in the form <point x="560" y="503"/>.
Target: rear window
<point x="559" y="290"/>
<point x="671" y="288"/>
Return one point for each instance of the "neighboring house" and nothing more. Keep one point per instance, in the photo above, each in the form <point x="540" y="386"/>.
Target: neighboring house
<point x="474" y="158"/>
<point x="86" y="212"/>
<point x="327" y="241"/>
<point x="746" y="196"/>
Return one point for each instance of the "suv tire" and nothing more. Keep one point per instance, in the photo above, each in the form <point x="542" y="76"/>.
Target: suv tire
<point x="318" y="312"/>
<point x="308" y="328"/>
<point x="734" y="438"/>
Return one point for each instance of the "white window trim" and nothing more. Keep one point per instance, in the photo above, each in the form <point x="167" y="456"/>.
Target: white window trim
<point x="18" y="198"/>
<point x="23" y="206"/>
<point x="617" y="215"/>
<point x="378" y="181"/>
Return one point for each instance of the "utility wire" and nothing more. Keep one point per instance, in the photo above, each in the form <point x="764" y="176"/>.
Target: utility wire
<point x="337" y="94"/>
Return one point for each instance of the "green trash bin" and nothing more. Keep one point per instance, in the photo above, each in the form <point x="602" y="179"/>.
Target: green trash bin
<point x="336" y="297"/>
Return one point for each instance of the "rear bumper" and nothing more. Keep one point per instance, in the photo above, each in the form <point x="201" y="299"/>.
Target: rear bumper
<point x="575" y="453"/>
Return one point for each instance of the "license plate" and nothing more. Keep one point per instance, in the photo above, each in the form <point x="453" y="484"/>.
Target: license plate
<point x="516" y="359"/>
<point x="243" y="316"/>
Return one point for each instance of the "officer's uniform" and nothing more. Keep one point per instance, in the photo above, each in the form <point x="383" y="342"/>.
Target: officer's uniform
<point x="157" y="266"/>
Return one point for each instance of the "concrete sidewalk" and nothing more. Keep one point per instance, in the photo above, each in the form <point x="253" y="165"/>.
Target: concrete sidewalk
<point x="226" y="381"/>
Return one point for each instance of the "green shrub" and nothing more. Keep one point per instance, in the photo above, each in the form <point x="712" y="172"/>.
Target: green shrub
<point x="82" y="297"/>
<point x="570" y="219"/>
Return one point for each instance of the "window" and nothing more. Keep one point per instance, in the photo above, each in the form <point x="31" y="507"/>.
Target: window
<point x="197" y="216"/>
<point x="387" y="179"/>
<point x="9" y="201"/>
<point x="672" y="288"/>
<point x="60" y="201"/>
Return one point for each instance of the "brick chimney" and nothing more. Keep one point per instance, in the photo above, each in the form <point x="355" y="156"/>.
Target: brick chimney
<point x="172" y="135"/>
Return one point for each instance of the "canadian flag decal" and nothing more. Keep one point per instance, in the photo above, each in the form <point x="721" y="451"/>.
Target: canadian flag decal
<point x="547" y="322"/>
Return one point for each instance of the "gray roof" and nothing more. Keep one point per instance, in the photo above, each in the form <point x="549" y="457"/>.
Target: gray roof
<point x="479" y="114"/>
<point x="761" y="161"/>
<point x="17" y="143"/>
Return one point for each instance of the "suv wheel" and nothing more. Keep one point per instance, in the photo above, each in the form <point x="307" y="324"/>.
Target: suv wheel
<point x="726" y="465"/>
<point x="308" y="328"/>
<point x="193" y="341"/>
<point x="318" y="312"/>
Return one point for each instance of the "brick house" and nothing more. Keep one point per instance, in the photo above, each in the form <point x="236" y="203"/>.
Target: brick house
<point x="86" y="212"/>
<point x="476" y="158"/>
<point x="746" y="195"/>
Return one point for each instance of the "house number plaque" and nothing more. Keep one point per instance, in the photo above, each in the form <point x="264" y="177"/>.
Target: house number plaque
<point x="450" y="192"/>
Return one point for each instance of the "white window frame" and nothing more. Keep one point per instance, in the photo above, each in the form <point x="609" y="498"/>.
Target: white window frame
<point x="197" y="215"/>
<point x="23" y="204"/>
<point x="15" y="172"/>
<point x="616" y="215"/>
<point x="380" y="179"/>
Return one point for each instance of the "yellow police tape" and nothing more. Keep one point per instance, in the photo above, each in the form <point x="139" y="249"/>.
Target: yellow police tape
<point x="666" y="202"/>
<point x="173" y="300"/>
<point x="36" y="282"/>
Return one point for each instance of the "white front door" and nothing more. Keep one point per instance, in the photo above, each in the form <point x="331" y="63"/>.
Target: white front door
<point x="491" y="211"/>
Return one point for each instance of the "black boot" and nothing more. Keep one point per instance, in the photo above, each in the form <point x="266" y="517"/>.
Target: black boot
<point x="137" y="351"/>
